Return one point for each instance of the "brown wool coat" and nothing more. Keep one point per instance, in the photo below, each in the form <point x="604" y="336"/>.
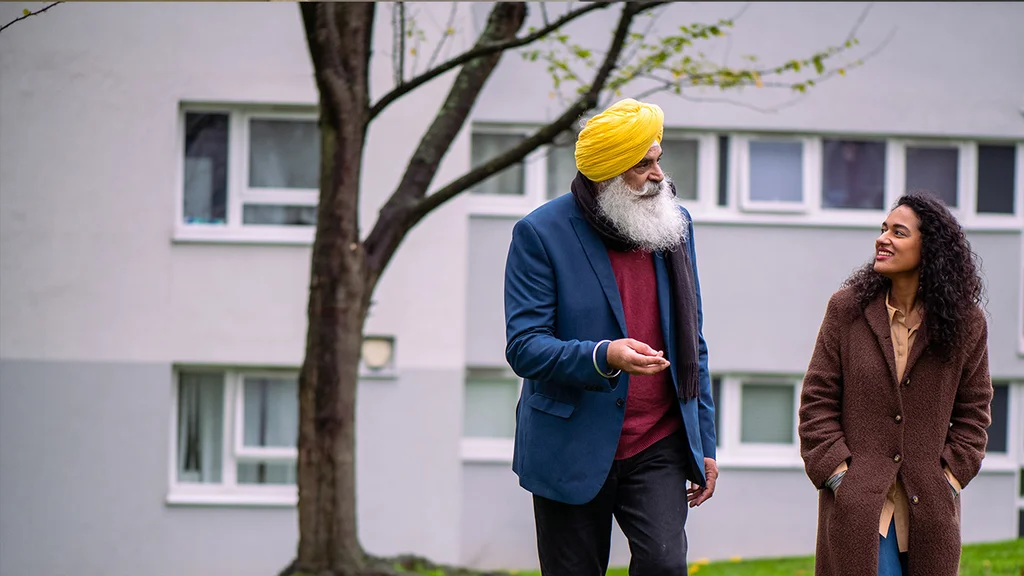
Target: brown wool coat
<point x="848" y="411"/>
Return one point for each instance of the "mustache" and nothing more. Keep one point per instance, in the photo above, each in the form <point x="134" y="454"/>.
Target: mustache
<point x="650" y="189"/>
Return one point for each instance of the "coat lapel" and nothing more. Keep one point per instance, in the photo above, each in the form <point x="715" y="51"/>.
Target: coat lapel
<point x="878" y="319"/>
<point x="597" y="253"/>
<point x="920" y="343"/>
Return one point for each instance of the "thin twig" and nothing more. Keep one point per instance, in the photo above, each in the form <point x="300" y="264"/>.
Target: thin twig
<point x="444" y="35"/>
<point x="26" y="15"/>
<point x="544" y="12"/>
<point x="860" y="20"/>
<point x="401" y="43"/>
<point x="480" y="52"/>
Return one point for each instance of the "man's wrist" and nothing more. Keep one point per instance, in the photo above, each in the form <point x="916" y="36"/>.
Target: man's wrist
<point x="601" y="360"/>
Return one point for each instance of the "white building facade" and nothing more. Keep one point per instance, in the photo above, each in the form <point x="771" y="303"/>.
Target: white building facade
<point x="157" y="182"/>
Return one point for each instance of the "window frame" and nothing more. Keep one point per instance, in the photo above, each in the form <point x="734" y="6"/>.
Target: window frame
<point x="810" y="177"/>
<point x="228" y="491"/>
<point x="732" y="451"/>
<point x="534" y="176"/>
<point x="483" y="450"/>
<point x="1013" y="458"/>
<point x="966" y="171"/>
<point x="238" y="191"/>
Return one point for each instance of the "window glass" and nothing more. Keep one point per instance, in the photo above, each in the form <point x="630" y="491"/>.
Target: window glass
<point x="998" y="432"/>
<point x="200" y="427"/>
<point x="486" y="147"/>
<point x="853" y="174"/>
<point x="490" y="408"/>
<point x="280" y="215"/>
<point x="935" y="170"/>
<point x="561" y="169"/>
<point x="679" y="161"/>
<point x="996" y="175"/>
<point x="776" y="171"/>
<point x="767" y="413"/>
<point x="206" y="168"/>
<point x="284" y="154"/>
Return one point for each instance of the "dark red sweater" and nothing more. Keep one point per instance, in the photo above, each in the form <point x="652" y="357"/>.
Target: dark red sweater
<point x="652" y="411"/>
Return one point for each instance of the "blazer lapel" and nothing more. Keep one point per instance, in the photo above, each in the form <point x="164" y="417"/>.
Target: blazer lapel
<point x="878" y="319"/>
<point x="598" y="256"/>
<point x="665" y="310"/>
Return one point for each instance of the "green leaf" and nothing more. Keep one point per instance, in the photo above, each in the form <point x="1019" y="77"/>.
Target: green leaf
<point x="26" y="12"/>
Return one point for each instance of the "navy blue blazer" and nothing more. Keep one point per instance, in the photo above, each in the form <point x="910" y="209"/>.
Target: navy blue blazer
<point x="561" y="299"/>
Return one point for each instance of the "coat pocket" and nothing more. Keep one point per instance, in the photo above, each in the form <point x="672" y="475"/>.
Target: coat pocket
<point x="549" y="405"/>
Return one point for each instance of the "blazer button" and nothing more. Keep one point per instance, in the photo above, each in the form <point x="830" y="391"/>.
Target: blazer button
<point x="906" y="381"/>
<point x="915" y="499"/>
<point x="899" y="418"/>
<point x="896" y="458"/>
<point x="620" y="402"/>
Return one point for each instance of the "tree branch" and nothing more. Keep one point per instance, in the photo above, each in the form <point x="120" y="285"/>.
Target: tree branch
<point x="444" y="35"/>
<point x="28" y="14"/>
<point x="546" y="134"/>
<point x="480" y="51"/>
<point x="505" y="20"/>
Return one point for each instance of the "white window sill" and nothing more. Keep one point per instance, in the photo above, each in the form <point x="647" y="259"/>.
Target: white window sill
<point x="286" y="235"/>
<point x="830" y="218"/>
<point x="285" y="497"/>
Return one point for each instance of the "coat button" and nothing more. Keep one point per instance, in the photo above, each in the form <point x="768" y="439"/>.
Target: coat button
<point x="899" y="418"/>
<point x="906" y="381"/>
<point x="896" y="458"/>
<point x="915" y="499"/>
<point x="620" y="402"/>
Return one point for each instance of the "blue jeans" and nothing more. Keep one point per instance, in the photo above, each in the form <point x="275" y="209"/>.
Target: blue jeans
<point x="891" y="562"/>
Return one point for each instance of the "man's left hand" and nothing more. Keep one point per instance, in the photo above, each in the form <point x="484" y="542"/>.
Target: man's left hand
<point x="697" y="495"/>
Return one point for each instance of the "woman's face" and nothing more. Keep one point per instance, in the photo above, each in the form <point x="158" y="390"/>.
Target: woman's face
<point x="898" y="248"/>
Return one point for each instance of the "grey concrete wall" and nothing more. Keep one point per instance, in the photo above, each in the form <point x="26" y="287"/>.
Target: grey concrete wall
<point x="764" y="291"/>
<point x="905" y="88"/>
<point x="84" y="457"/>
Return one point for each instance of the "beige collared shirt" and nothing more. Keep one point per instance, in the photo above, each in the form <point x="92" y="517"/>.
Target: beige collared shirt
<point x="903" y="328"/>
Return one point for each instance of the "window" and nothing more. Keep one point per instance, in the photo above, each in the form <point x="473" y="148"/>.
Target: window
<point x="998" y="431"/>
<point x="235" y="436"/>
<point x="935" y="169"/>
<point x="756" y="421"/>
<point x="723" y="170"/>
<point x="248" y="173"/>
<point x="561" y="169"/>
<point x="775" y="175"/>
<point x="853" y="174"/>
<point x="491" y="396"/>
<point x="679" y="161"/>
<point x="508" y="182"/>
<point x="996" y="179"/>
<point x="767" y="413"/>
<point x="716" y="394"/>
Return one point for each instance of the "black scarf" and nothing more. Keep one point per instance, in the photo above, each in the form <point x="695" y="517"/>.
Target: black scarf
<point x="682" y="287"/>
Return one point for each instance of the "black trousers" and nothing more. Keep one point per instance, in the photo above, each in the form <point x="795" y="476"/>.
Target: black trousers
<point x="647" y="496"/>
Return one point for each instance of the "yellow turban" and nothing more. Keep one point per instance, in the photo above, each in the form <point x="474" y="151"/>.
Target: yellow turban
<point x="616" y="139"/>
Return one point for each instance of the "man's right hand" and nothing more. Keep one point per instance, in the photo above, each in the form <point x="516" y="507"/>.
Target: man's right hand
<point x="635" y="357"/>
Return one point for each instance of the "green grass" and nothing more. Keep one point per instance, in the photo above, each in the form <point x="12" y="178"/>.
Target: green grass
<point x="995" y="559"/>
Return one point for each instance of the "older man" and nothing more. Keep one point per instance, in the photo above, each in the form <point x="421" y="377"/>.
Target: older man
<point x="603" y="320"/>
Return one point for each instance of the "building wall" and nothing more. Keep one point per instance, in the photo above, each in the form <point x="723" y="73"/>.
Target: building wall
<point x="765" y="280"/>
<point x="99" y="300"/>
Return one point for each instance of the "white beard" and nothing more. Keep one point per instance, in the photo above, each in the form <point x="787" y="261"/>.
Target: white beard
<point x="650" y="218"/>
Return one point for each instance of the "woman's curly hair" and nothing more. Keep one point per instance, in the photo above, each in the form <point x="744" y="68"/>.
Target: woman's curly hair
<point x="950" y="284"/>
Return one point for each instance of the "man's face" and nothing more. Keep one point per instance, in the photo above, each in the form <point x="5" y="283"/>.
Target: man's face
<point x="646" y="170"/>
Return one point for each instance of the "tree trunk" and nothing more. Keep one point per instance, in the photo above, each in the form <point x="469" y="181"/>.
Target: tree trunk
<point x="339" y="37"/>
